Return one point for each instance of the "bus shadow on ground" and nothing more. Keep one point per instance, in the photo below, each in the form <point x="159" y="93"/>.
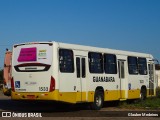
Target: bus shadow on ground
<point x="46" y="106"/>
<point x="40" y="106"/>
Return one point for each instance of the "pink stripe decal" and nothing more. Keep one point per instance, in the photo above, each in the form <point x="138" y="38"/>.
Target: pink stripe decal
<point x="27" y="54"/>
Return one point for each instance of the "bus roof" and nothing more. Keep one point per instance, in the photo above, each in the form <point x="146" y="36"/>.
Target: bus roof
<point x="91" y="48"/>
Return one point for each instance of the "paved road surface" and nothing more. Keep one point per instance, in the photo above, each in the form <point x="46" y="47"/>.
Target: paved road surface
<point x="61" y="111"/>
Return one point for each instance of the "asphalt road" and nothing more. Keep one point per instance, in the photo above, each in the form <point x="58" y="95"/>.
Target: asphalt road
<point x="59" y="111"/>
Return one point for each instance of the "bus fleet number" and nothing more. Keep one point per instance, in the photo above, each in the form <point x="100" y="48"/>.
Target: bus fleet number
<point x="43" y="88"/>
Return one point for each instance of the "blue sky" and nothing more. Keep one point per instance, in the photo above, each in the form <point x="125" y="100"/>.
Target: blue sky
<point x="132" y="25"/>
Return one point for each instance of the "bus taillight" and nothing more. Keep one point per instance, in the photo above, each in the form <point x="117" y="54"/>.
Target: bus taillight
<point x="52" y="84"/>
<point x="12" y="85"/>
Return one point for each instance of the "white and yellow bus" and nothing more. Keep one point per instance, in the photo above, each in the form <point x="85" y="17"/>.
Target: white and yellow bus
<point x="75" y="73"/>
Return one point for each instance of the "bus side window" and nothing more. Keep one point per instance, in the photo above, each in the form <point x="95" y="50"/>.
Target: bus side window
<point x="132" y="65"/>
<point x="95" y="62"/>
<point x="66" y="61"/>
<point x="142" y="65"/>
<point x="110" y="63"/>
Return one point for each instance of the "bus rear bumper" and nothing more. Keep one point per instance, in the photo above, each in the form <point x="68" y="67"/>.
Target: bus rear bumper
<point x="35" y="95"/>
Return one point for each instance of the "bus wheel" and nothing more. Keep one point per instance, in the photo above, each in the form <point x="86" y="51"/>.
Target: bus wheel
<point x="143" y="94"/>
<point x="98" y="100"/>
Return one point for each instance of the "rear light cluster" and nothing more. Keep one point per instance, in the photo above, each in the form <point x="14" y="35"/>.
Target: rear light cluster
<point x="52" y="84"/>
<point x="12" y="84"/>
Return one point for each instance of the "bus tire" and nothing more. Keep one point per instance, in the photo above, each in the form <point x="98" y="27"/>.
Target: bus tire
<point x="98" y="100"/>
<point x="143" y="94"/>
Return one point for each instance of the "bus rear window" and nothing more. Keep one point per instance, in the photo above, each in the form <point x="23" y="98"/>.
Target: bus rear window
<point x="32" y="57"/>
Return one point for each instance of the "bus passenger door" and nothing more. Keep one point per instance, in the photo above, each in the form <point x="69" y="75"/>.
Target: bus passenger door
<point x="122" y="77"/>
<point x="151" y="78"/>
<point x="81" y="78"/>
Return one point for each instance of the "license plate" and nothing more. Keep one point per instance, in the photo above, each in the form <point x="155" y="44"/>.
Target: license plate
<point x="31" y="96"/>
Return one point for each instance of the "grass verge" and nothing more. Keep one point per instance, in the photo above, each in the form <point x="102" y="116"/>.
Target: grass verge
<point x="149" y="103"/>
